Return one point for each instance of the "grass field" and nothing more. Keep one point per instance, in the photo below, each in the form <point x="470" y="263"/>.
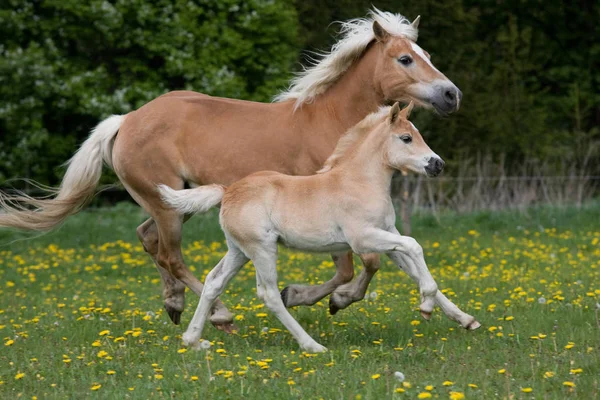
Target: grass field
<point x="81" y="316"/>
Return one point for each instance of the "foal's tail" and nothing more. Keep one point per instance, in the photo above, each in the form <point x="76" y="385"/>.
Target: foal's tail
<point x="77" y="188"/>
<point x="190" y="201"/>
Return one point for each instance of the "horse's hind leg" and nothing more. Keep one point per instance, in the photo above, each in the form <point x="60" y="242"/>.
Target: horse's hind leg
<point x="169" y="224"/>
<point x="355" y="291"/>
<point x="296" y="295"/>
<point x="173" y="289"/>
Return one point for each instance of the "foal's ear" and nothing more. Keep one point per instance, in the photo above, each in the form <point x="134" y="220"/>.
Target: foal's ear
<point x="394" y="111"/>
<point x="380" y="34"/>
<point x="405" y="112"/>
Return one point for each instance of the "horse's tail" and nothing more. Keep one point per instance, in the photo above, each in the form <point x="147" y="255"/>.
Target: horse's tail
<point x="78" y="186"/>
<point x="190" y="201"/>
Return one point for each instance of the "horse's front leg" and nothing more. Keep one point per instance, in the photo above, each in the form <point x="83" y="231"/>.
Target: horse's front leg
<point x="306" y="295"/>
<point x="355" y="291"/>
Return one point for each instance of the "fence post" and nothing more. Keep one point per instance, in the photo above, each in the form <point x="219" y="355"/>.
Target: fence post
<point x="405" y="206"/>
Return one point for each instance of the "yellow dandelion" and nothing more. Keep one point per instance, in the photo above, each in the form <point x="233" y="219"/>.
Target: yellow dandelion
<point x="502" y="371"/>
<point x="110" y="372"/>
<point x="181" y="351"/>
<point x="424" y="395"/>
<point x="429" y="387"/>
<point x="9" y="342"/>
<point x="569" y="384"/>
<point x="19" y="375"/>
<point x="376" y="376"/>
<point x="194" y="378"/>
<point x="448" y="383"/>
<point x="104" y="332"/>
<point x="96" y="386"/>
<point x="399" y="390"/>
<point x="526" y="390"/>
<point x="548" y="374"/>
<point x="457" y="395"/>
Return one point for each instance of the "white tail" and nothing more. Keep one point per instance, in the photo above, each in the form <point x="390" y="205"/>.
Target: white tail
<point x="191" y="201"/>
<point x="77" y="188"/>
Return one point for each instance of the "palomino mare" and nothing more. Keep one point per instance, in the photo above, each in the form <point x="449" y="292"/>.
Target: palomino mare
<point x="323" y="212"/>
<point x="190" y="138"/>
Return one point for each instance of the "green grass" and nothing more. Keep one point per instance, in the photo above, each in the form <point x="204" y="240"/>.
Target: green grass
<point x="80" y="309"/>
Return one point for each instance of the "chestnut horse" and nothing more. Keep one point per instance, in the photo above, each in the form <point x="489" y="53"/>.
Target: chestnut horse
<point x="187" y="138"/>
<point x="323" y="212"/>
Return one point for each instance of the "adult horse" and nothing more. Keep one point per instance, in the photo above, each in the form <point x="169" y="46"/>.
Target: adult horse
<point x="187" y="138"/>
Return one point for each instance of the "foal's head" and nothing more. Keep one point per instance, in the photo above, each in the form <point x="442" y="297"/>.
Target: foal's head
<point x="404" y="72"/>
<point x="404" y="148"/>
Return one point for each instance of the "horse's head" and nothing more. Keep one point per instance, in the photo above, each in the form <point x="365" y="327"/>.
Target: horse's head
<point x="404" y="72"/>
<point x="406" y="149"/>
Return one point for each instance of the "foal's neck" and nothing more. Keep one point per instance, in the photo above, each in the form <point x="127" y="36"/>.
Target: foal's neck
<point x="366" y="165"/>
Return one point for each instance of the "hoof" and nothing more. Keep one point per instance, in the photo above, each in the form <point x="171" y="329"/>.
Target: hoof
<point x="473" y="325"/>
<point x="227" y="327"/>
<point x="426" y="315"/>
<point x="314" y="348"/>
<point x="284" y="295"/>
<point x="333" y="309"/>
<point x="174" y="314"/>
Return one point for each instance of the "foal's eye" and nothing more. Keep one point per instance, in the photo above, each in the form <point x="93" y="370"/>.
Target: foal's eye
<point x="406" y="139"/>
<point x="405" y="60"/>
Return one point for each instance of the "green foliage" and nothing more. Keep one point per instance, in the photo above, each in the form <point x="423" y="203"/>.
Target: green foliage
<point x="65" y="64"/>
<point x="528" y="72"/>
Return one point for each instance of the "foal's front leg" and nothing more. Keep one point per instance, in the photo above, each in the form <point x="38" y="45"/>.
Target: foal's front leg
<point x="406" y="253"/>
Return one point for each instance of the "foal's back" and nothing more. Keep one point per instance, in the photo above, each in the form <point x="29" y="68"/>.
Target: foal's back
<point x="299" y="211"/>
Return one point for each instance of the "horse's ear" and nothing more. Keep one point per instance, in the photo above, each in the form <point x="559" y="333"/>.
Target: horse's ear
<point x="394" y="111"/>
<point x="415" y="23"/>
<point x="380" y="34"/>
<point x="406" y="110"/>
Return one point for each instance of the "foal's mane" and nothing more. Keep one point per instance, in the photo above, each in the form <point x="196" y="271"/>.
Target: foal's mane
<point x="353" y="136"/>
<point x="356" y="36"/>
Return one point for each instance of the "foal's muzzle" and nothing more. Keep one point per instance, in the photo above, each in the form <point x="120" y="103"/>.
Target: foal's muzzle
<point x="434" y="166"/>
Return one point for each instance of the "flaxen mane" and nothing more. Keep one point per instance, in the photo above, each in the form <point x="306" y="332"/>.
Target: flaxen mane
<point x="352" y="136"/>
<point x="357" y="34"/>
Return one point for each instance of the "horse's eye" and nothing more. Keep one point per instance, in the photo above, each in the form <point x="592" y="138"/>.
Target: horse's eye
<point x="405" y="60"/>
<point x="406" y="139"/>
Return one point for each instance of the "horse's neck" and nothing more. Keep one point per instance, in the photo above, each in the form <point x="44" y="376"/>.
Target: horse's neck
<point x="346" y="102"/>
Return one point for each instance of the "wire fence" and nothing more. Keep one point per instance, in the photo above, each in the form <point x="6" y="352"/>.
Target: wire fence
<point x="473" y="193"/>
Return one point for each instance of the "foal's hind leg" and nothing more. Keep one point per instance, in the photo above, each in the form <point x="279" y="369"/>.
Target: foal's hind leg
<point x="295" y="295"/>
<point x="355" y="291"/>
<point x="173" y="289"/>
<point x="265" y="262"/>
<point x="214" y="285"/>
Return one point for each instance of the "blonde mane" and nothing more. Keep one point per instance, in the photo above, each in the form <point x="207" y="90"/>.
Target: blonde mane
<point x="357" y="34"/>
<point x="352" y="136"/>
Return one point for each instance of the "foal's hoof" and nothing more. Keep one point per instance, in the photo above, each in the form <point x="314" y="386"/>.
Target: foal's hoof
<point x="284" y="295"/>
<point x="174" y="314"/>
<point x="471" y="326"/>
<point x="426" y="315"/>
<point x="227" y="327"/>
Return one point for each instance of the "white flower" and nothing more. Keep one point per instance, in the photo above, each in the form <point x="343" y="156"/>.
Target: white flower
<point x="205" y="344"/>
<point x="542" y="300"/>
<point x="399" y="375"/>
<point x="373" y="295"/>
<point x="265" y="330"/>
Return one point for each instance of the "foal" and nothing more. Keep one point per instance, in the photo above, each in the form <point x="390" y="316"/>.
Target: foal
<point x="325" y="213"/>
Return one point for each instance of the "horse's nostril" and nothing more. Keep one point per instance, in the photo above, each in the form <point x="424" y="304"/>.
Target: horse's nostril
<point x="449" y="95"/>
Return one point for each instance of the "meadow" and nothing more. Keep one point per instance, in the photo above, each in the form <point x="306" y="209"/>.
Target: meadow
<point x="81" y="316"/>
